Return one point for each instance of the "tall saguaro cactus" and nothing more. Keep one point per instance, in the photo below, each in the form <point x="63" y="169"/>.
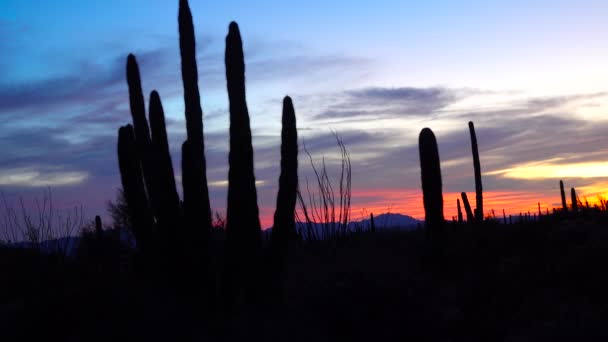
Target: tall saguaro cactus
<point x="431" y="180"/>
<point x="477" y="167"/>
<point x="168" y="211"/>
<point x="141" y="131"/>
<point x="243" y="232"/>
<point x="284" y="228"/>
<point x="133" y="186"/>
<point x="197" y="208"/>
<point x="563" y="194"/>
<point x="242" y="221"/>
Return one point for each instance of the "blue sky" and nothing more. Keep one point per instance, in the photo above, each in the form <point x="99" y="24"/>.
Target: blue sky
<point x="531" y="74"/>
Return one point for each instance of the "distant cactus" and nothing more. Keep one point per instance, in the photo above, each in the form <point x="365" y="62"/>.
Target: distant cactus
<point x="467" y="207"/>
<point x="431" y="180"/>
<point x="563" y="193"/>
<point x="372" y="224"/>
<point x="504" y="216"/>
<point x="98" y="227"/>
<point x="284" y="228"/>
<point x="460" y="219"/>
<point x="133" y="186"/>
<point x="574" y="200"/>
<point x="477" y="167"/>
<point x="197" y="208"/>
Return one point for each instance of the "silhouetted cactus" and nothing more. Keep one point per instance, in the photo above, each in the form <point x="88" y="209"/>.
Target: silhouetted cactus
<point x="133" y="186"/>
<point x="574" y="200"/>
<point x="563" y="194"/>
<point x="430" y="171"/>
<point x="460" y="218"/>
<point x="477" y="167"/>
<point x="242" y="221"/>
<point x="467" y="207"/>
<point x="284" y="228"/>
<point x="243" y="232"/>
<point x="197" y="208"/>
<point x="372" y="224"/>
<point x="504" y="216"/>
<point x="98" y="227"/>
<point x="142" y="132"/>
<point x="168" y="211"/>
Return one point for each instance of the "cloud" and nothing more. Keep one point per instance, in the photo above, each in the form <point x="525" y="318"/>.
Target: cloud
<point x="401" y="102"/>
<point x="28" y="177"/>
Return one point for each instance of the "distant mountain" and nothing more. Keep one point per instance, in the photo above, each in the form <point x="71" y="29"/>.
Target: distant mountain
<point x="382" y="221"/>
<point x="390" y="220"/>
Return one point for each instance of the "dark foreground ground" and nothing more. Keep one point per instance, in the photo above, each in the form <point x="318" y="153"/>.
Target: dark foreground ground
<point x="543" y="281"/>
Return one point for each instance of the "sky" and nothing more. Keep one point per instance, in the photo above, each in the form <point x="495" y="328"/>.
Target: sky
<point x="532" y="76"/>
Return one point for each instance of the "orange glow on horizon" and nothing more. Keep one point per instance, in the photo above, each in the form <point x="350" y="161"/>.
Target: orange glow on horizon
<point x="409" y="202"/>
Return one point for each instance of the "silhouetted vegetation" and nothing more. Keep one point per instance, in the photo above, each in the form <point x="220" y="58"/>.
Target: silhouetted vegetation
<point x="430" y="171"/>
<point x="476" y="165"/>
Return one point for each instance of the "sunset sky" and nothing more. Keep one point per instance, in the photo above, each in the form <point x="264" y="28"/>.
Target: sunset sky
<point x="532" y="75"/>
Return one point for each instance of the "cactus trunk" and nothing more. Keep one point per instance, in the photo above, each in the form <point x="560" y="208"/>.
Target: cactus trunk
<point x="284" y="228"/>
<point x="467" y="207"/>
<point x="574" y="200"/>
<point x="372" y="224"/>
<point x="168" y="212"/>
<point x="133" y="187"/>
<point x="243" y="232"/>
<point x="477" y="167"/>
<point x="197" y="208"/>
<point x="460" y="218"/>
<point x="563" y="194"/>
<point x="142" y="132"/>
<point x="430" y="170"/>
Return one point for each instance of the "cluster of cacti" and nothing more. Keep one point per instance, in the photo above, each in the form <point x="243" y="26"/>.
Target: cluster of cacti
<point x="431" y="181"/>
<point x="148" y="178"/>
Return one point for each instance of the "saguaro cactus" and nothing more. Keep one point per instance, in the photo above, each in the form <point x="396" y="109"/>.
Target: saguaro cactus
<point x="284" y="228"/>
<point x="477" y="167"/>
<point x="142" y="132"/>
<point x="431" y="180"/>
<point x="168" y="211"/>
<point x="467" y="207"/>
<point x="242" y="221"/>
<point x="98" y="227"/>
<point x="460" y="219"/>
<point x="574" y="200"/>
<point x="133" y="186"/>
<point x="372" y="224"/>
<point x="243" y="232"/>
<point x="197" y="208"/>
<point x="563" y="194"/>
